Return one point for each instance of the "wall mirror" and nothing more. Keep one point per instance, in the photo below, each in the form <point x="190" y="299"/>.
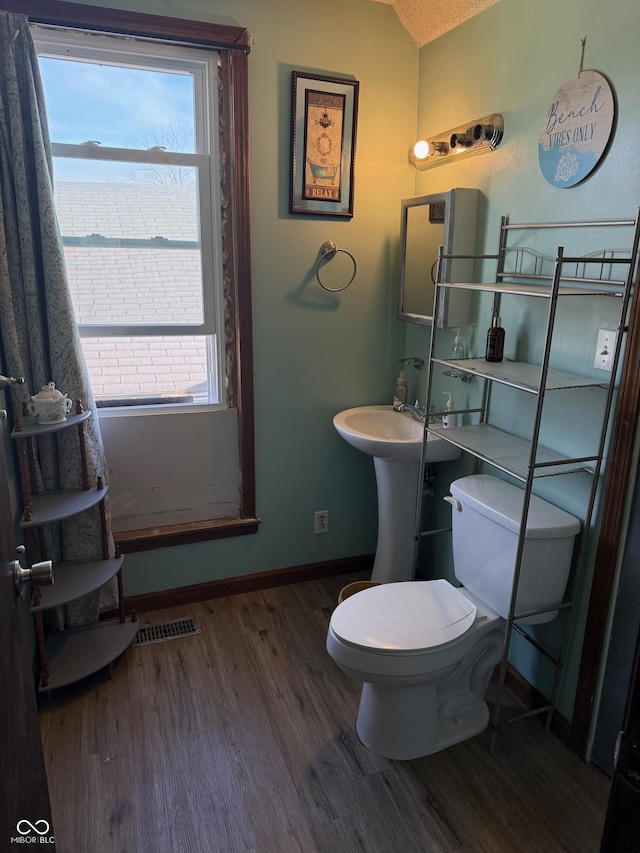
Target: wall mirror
<point x="427" y="222"/>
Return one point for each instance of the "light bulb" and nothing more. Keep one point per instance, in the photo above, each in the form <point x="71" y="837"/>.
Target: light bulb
<point x="421" y="149"/>
<point x="462" y="141"/>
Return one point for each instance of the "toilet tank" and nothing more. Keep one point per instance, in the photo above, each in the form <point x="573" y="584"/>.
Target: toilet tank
<point x="485" y="543"/>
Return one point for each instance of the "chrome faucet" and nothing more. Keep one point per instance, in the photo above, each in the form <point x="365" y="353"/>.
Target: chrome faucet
<point x="418" y="411"/>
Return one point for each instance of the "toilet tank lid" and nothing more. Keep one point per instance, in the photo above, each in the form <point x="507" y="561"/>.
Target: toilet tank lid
<point x="502" y="503"/>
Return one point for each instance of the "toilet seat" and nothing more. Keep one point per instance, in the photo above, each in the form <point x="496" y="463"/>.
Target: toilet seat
<point x="412" y="617"/>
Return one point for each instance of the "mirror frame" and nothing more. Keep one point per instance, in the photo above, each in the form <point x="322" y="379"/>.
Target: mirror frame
<point x="406" y="205"/>
<point x="459" y="233"/>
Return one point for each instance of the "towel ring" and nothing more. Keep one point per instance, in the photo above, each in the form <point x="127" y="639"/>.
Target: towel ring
<point x="328" y="251"/>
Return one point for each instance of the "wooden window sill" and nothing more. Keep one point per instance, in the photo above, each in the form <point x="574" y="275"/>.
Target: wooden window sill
<point x="131" y="541"/>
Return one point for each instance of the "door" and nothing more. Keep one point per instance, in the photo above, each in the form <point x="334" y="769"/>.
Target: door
<point x="25" y="815"/>
<point x="622" y="641"/>
<point x="622" y="826"/>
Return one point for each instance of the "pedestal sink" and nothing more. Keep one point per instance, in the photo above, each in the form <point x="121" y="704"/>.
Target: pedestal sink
<point x="394" y="439"/>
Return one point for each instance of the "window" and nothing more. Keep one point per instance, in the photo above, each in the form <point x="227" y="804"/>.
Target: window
<point x="163" y="459"/>
<point x="134" y="136"/>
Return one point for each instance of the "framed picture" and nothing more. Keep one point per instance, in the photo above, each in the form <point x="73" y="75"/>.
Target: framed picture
<point x="324" y="112"/>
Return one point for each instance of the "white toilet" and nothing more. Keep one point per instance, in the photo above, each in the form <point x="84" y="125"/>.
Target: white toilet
<point x="426" y="650"/>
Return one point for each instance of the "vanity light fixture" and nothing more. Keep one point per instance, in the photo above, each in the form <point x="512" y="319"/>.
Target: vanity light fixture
<point x="484" y="134"/>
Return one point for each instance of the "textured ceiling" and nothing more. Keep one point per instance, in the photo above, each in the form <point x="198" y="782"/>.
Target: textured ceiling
<point x="425" y="20"/>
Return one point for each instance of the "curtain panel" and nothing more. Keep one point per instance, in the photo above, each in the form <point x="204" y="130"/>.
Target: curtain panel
<point x="39" y="337"/>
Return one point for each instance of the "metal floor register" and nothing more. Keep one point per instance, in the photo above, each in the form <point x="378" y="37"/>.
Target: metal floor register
<point x="161" y="631"/>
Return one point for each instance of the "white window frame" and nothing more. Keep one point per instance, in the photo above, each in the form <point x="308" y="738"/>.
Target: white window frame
<point x="113" y="50"/>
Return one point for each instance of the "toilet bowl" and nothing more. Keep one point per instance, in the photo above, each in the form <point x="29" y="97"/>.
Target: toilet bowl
<point x="425" y="650"/>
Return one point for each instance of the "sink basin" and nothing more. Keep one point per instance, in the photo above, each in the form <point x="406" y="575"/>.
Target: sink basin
<point x="381" y="431"/>
<point x="394" y="440"/>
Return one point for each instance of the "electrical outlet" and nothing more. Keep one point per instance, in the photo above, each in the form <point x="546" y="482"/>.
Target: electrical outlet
<point x="605" y="349"/>
<point x="321" y="521"/>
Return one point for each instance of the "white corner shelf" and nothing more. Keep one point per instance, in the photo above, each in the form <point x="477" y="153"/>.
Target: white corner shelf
<point x="73" y="580"/>
<point x="69" y="655"/>
<point x="30" y="428"/>
<point x="78" y="652"/>
<point x="55" y="506"/>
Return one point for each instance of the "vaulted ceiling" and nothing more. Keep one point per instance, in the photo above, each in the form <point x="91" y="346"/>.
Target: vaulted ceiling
<point x="425" y="20"/>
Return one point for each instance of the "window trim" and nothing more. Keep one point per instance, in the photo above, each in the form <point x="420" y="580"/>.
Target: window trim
<point x="234" y="45"/>
<point x="78" y="15"/>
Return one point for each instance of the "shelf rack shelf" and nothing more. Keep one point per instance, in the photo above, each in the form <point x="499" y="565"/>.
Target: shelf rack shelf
<point x="512" y="454"/>
<point x="540" y="291"/>
<point x="523" y="272"/>
<point x="519" y="374"/>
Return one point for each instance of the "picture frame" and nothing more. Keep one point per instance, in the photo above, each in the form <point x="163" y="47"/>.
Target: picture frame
<point x="324" y="114"/>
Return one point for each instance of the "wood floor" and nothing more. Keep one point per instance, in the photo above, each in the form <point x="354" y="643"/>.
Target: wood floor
<point x="242" y="739"/>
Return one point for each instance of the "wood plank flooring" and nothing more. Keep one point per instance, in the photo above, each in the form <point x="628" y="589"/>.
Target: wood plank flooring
<point x="242" y="739"/>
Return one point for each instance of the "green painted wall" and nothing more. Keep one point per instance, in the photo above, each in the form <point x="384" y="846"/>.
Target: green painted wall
<point x="512" y="59"/>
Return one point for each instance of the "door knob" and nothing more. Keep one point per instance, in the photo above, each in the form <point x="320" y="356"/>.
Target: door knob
<point x="40" y="574"/>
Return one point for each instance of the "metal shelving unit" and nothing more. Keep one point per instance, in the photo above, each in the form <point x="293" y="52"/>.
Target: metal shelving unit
<point x="523" y="272"/>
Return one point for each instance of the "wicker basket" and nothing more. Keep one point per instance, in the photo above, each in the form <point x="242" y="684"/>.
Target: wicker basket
<point x="352" y="588"/>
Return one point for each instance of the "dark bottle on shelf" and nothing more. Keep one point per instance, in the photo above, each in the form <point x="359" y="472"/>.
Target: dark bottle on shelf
<point x="495" y="340"/>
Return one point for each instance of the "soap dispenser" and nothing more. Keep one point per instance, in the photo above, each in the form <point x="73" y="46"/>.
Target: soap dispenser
<point x="495" y="340"/>
<point x="448" y="419"/>
<point x="457" y="350"/>
<point x="400" y="394"/>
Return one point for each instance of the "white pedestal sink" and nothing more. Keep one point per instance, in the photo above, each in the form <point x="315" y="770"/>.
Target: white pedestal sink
<point x="394" y="439"/>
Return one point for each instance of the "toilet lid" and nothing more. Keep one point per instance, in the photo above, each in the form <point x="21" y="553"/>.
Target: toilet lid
<point x="411" y="616"/>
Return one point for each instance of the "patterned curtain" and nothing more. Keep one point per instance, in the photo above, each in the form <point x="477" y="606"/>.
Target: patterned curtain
<point x="38" y="332"/>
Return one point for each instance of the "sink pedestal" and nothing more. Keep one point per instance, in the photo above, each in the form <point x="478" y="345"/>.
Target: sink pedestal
<point x="394" y="439"/>
<point x="397" y="484"/>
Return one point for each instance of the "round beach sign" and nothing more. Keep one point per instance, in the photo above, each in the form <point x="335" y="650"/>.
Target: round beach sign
<point x="576" y="129"/>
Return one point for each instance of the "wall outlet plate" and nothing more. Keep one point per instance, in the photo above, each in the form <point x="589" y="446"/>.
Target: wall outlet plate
<point x="321" y="521"/>
<point x="605" y="349"/>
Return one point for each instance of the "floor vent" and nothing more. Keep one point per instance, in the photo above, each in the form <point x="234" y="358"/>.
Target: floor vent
<point x="161" y="631"/>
